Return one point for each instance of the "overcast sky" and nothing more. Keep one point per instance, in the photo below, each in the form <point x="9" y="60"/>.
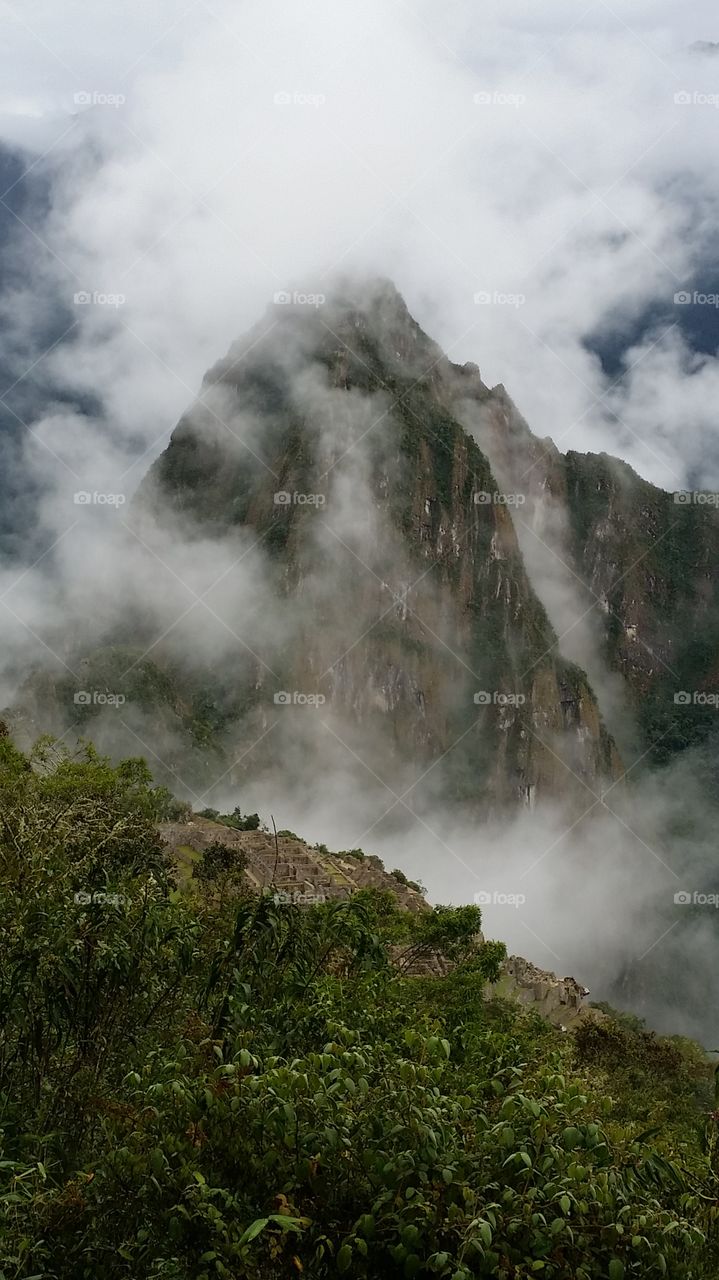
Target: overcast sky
<point x="203" y="156"/>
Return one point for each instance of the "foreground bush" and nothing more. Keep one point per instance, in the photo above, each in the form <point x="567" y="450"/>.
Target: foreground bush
<point x="204" y="1085"/>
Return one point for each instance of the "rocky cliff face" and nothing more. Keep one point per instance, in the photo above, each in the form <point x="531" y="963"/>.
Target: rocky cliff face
<point x="562" y="1001"/>
<point x="437" y="592"/>
<point x="391" y="626"/>
<point x="639" y="566"/>
<point x="399" y="591"/>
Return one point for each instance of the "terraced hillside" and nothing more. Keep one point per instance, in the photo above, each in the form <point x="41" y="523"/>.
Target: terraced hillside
<point x="288" y="865"/>
<point x="305" y="874"/>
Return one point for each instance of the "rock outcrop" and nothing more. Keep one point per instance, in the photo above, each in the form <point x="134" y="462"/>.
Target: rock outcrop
<point x="639" y="563"/>
<point x="303" y="875"/>
<point x="562" y="1001"/>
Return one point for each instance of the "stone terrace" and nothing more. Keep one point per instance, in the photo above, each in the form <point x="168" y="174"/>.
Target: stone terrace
<point x="292" y="867"/>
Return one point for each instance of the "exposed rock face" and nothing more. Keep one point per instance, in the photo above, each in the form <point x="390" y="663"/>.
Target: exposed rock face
<point x="562" y="1001"/>
<point x="394" y="562"/>
<point x="642" y="563"/>
<point x="393" y="585"/>
<point x="406" y="518"/>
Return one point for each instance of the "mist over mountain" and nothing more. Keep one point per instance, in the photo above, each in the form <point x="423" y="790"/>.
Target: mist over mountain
<point x="356" y="589"/>
<point x="36" y="318"/>
<point x="359" y="640"/>
<point x="143" y="227"/>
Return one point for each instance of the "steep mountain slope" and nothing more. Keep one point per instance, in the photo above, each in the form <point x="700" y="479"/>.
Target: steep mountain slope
<point x="641" y="562"/>
<point x="364" y="587"/>
<point x="406" y="532"/>
<point x="399" y="591"/>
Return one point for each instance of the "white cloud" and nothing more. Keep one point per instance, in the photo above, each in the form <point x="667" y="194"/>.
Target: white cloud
<point x="260" y="146"/>
<point x="200" y="194"/>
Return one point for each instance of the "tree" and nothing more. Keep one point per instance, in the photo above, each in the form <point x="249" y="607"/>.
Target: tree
<point x="223" y="867"/>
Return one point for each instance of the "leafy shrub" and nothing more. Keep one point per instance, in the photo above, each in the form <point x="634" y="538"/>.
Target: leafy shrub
<point x="248" y="1089"/>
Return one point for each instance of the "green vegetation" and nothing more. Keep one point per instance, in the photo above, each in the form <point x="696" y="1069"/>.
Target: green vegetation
<point x="202" y="1084"/>
<point x="235" y="820"/>
<point x="221" y="868"/>
<point x="402" y="879"/>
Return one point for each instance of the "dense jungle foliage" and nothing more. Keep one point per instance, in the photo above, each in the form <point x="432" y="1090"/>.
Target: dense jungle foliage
<point x="199" y="1084"/>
